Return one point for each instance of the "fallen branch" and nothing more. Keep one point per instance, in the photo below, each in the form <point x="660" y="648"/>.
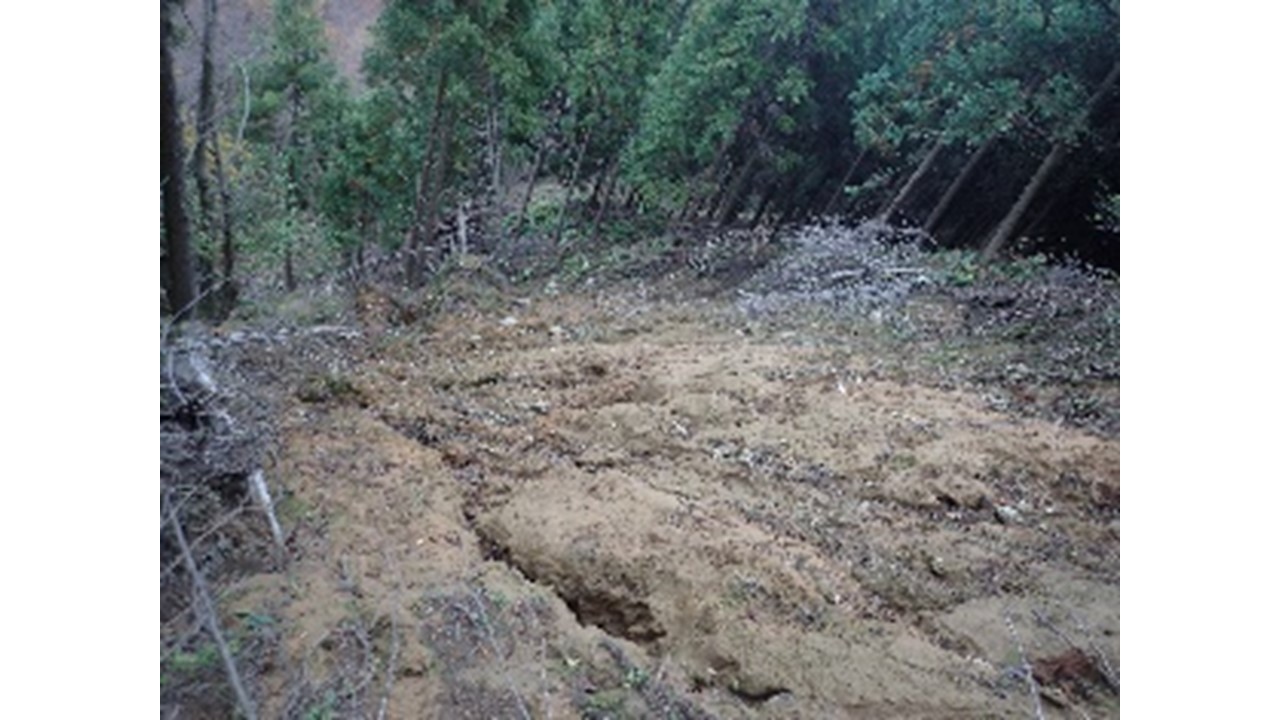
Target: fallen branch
<point x="1032" y="686"/>
<point x="217" y="525"/>
<point x="258" y="486"/>
<point x="394" y="651"/>
<point x="1108" y="673"/>
<point x="209" y="615"/>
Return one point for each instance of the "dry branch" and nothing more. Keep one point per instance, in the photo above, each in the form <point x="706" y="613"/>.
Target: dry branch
<point x="258" y="486"/>
<point x="209" y="615"/>
<point x="1032" y="686"/>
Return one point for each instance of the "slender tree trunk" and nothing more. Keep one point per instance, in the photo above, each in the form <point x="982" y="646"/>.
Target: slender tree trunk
<point x="907" y="188"/>
<point x="493" y="128"/>
<point x="601" y="179"/>
<point x="1005" y="230"/>
<point x="573" y="181"/>
<point x="767" y="198"/>
<point x="207" y="148"/>
<point x="729" y="204"/>
<point x="966" y="173"/>
<point x="460" y="244"/>
<point x="230" y="292"/>
<point x="180" y="279"/>
<point x="607" y="200"/>
<point x="440" y="171"/>
<point x="290" y="280"/>
<point x="789" y="207"/>
<point x="953" y="189"/>
<point x="423" y="229"/>
<point x="533" y="181"/>
<point x="205" y="113"/>
<point x="838" y="195"/>
<point x="696" y="200"/>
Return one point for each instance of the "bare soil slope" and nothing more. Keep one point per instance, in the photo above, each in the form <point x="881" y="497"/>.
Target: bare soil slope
<point x="609" y="506"/>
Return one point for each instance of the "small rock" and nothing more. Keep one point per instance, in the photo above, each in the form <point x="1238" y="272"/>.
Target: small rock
<point x="1008" y="514"/>
<point x="508" y="321"/>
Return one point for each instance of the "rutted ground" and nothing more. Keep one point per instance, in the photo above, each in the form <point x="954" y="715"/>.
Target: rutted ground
<point x="620" y="508"/>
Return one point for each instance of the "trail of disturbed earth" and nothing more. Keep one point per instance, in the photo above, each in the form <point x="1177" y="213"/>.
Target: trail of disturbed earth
<point x="515" y="513"/>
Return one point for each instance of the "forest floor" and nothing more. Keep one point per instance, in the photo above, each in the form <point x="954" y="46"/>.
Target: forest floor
<point x="725" y="494"/>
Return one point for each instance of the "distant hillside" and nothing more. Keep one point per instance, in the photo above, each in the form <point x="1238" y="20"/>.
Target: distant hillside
<point x="245" y="33"/>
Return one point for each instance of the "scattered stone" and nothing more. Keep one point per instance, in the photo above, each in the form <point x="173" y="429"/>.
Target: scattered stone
<point x="1008" y="515"/>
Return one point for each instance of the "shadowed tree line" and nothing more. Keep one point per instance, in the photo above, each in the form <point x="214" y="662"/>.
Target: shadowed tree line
<point x="586" y="121"/>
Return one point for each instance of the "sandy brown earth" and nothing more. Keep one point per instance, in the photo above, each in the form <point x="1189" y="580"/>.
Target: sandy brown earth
<point x="612" y="506"/>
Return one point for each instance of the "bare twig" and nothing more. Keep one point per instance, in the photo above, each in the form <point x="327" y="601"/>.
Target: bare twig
<point x="217" y="525"/>
<point x="210" y="616"/>
<point x="258" y="486"/>
<point x="394" y="652"/>
<point x="1032" y="686"/>
<point x="546" y="688"/>
<point x="244" y="119"/>
<point x="1108" y="673"/>
<point x="176" y="646"/>
<point x="1105" y="670"/>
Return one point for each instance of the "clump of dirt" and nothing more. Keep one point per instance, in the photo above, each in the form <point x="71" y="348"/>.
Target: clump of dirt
<point x="611" y="505"/>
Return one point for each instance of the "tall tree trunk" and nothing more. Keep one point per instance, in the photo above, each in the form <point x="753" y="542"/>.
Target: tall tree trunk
<point x="423" y="229"/>
<point x="493" y="137"/>
<point x="838" y="195"/>
<point x="601" y="179"/>
<point x="230" y="292"/>
<point x="1005" y="230"/>
<point x="180" y="278"/>
<point x="290" y="279"/>
<point x="533" y="181"/>
<point x="886" y="213"/>
<point x="441" y="172"/>
<point x="696" y="200"/>
<point x="953" y="189"/>
<point x="765" y="199"/>
<point x="729" y="204"/>
<point x="573" y="181"/>
<point x="205" y="111"/>
<point x="207" y="148"/>
<point x="607" y="200"/>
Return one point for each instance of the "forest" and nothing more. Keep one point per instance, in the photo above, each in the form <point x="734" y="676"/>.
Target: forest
<point x="587" y="122"/>
<point x="598" y="359"/>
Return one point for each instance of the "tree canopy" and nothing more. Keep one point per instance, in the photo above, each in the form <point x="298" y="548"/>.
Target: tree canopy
<point x="748" y="112"/>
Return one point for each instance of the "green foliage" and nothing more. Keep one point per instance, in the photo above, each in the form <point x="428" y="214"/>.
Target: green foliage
<point x="325" y="709"/>
<point x="682" y="98"/>
<point x="204" y="658"/>
<point x="636" y="678"/>
<point x="959" y="267"/>
<point x="734" y="72"/>
<point x="1107" y="215"/>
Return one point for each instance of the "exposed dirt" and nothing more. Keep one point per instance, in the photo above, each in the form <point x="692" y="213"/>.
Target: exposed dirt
<point x="840" y="478"/>
<point x="611" y="506"/>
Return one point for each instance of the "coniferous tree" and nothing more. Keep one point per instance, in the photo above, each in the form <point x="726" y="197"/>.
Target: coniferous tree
<point x="180" y="276"/>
